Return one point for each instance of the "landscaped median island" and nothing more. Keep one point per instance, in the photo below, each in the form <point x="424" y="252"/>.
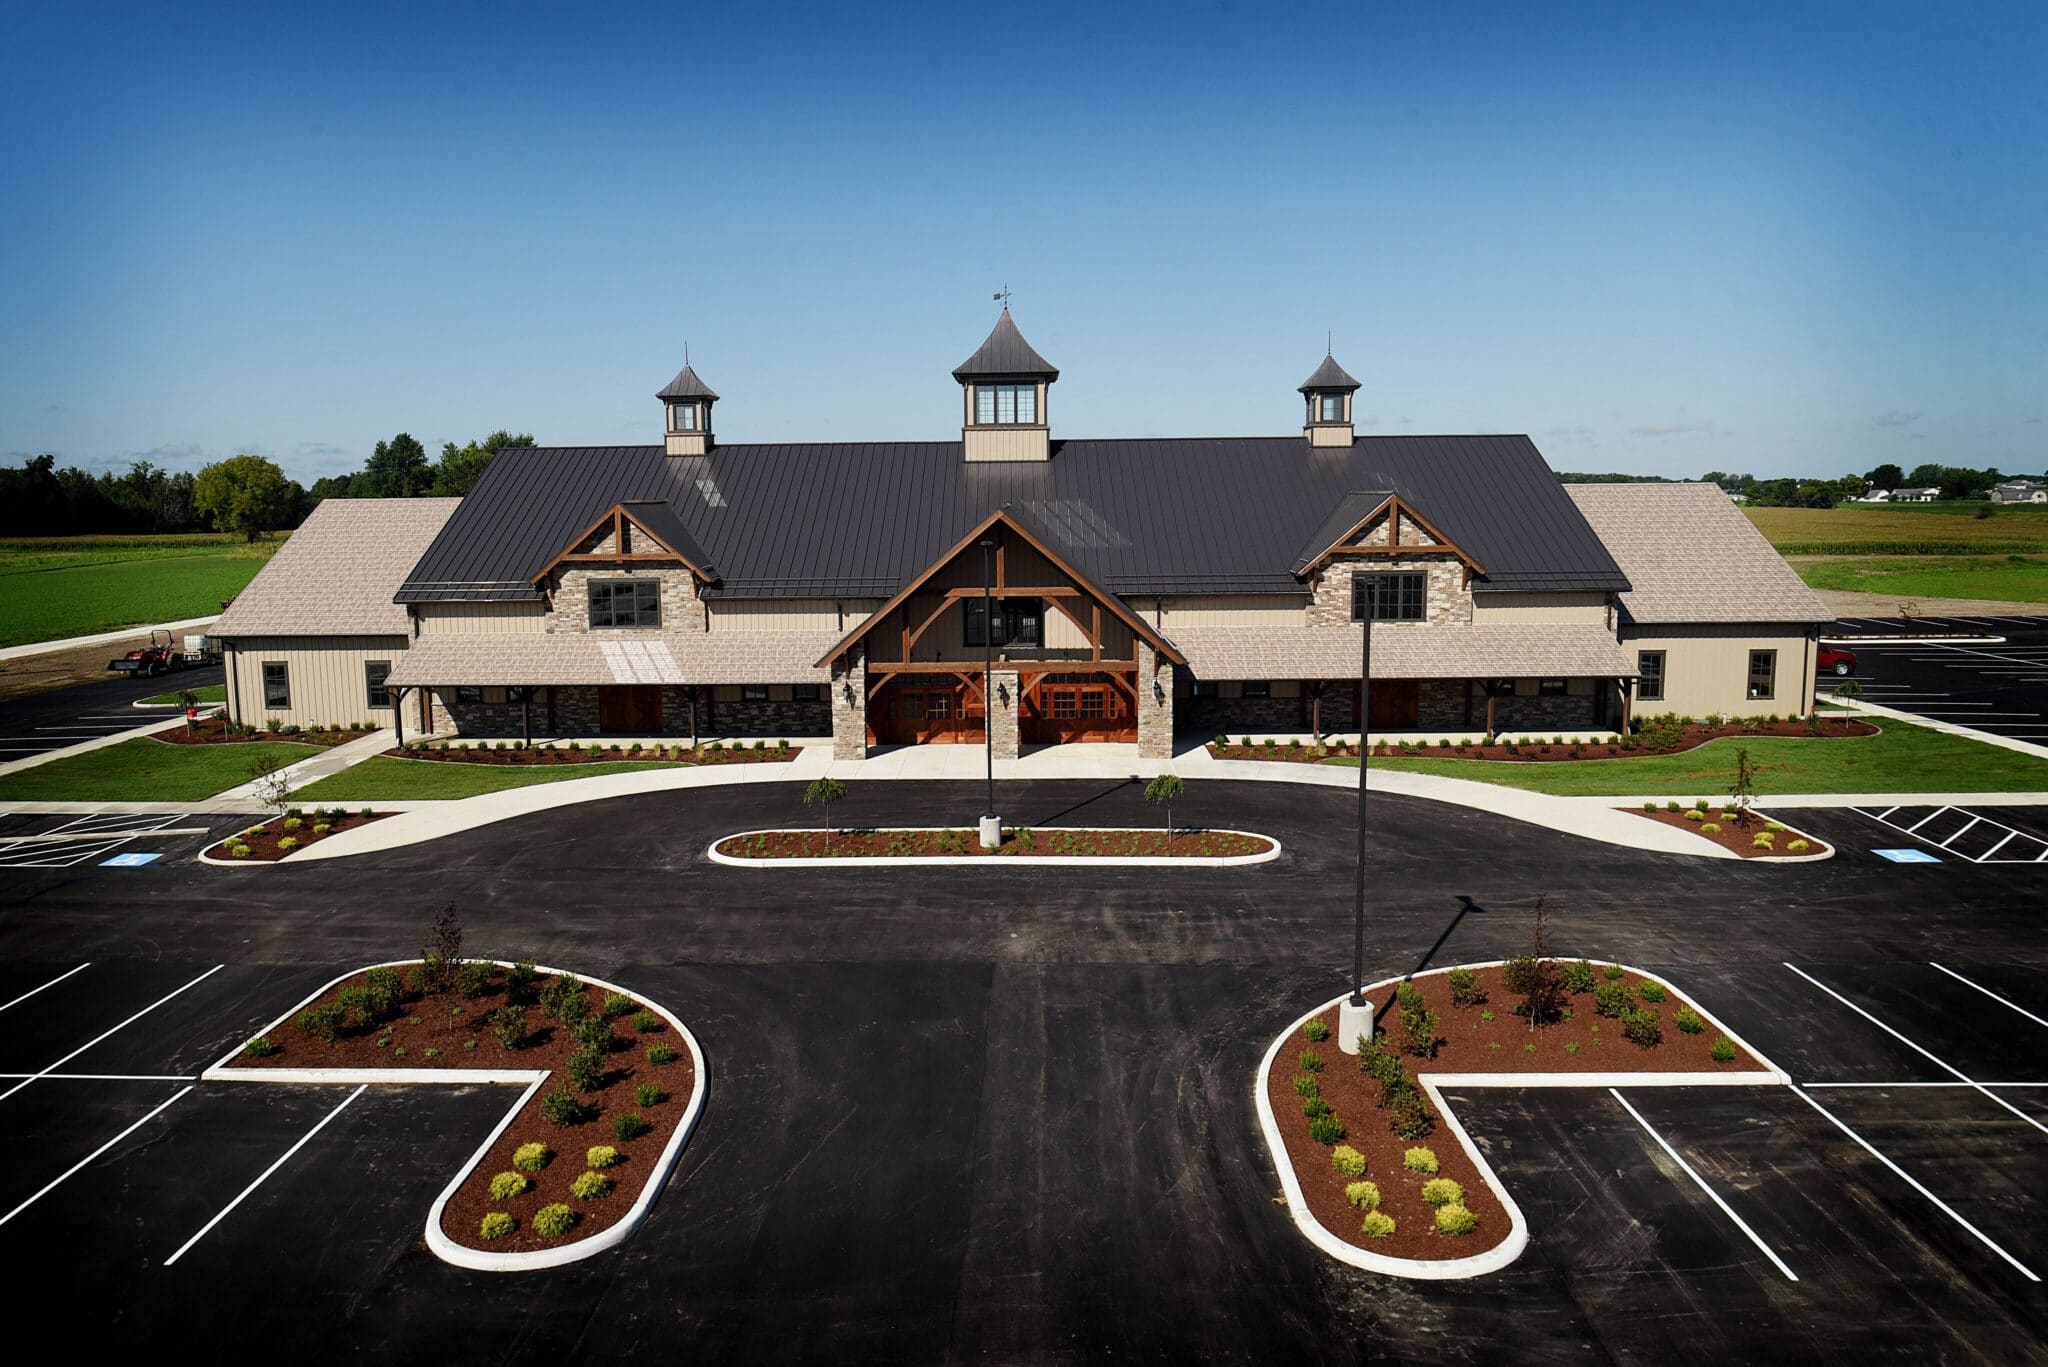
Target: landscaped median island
<point x="282" y="836"/>
<point x="1733" y="828"/>
<point x="1051" y="842"/>
<point x="1372" y="1159"/>
<point x="613" y="1088"/>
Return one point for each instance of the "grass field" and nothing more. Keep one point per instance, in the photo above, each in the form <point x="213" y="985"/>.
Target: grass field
<point x="76" y="586"/>
<point x="1904" y="529"/>
<point x="1903" y="759"/>
<point x="211" y="693"/>
<point x="144" y="770"/>
<point x="2008" y="578"/>
<point x="382" y="778"/>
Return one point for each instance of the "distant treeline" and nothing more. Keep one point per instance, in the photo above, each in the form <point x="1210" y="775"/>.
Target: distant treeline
<point x="246" y="495"/>
<point x="1956" y="482"/>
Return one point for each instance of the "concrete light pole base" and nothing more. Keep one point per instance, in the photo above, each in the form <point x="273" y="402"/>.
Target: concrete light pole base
<point x="1354" y="1018"/>
<point x="991" y="832"/>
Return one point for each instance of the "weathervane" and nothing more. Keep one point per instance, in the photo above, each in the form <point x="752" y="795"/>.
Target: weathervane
<point x="1003" y="294"/>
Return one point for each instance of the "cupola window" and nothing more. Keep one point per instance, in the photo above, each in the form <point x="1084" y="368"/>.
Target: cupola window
<point x="1005" y="403"/>
<point x="682" y="417"/>
<point x="1329" y="408"/>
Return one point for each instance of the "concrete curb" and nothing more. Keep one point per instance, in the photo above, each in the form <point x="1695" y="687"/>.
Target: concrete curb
<point x="1195" y="861"/>
<point x="1946" y="727"/>
<point x="445" y="1248"/>
<point x="1510" y="1248"/>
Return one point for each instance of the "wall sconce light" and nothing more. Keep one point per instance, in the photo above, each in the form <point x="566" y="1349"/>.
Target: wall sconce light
<point x="846" y="691"/>
<point x="1003" y="694"/>
<point x="1158" y="691"/>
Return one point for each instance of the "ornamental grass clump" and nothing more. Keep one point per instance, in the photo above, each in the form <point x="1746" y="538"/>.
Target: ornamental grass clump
<point x="1420" y="1160"/>
<point x="648" y="1094"/>
<point x="1347" y="1161"/>
<point x="658" y="1054"/>
<point x="552" y="1222"/>
<point x="1364" y="1195"/>
<point x="1443" y="1191"/>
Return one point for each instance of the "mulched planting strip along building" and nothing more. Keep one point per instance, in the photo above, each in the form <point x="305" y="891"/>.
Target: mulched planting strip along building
<point x="550" y="755"/>
<point x="1468" y="1044"/>
<point x="1544" y="749"/>
<point x="215" y="730"/>
<point x="454" y="1031"/>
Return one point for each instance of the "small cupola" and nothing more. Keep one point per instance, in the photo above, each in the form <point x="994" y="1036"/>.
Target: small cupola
<point x="1003" y="388"/>
<point x="687" y="402"/>
<point x="1329" y="392"/>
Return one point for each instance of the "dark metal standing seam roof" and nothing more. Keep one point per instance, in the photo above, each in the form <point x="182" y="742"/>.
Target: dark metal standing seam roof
<point x="1005" y="353"/>
<point x="1145" y="516"/>
<point x="1329" y="375"/>
<point x="685" y="385"/>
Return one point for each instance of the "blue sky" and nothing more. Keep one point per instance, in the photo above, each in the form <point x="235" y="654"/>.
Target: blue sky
<point x="1751" y="237"/>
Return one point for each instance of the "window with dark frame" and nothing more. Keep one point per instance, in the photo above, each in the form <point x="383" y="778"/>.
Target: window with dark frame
<point x="374" y="674"/>
<point x="277" y="684"/>
<point x="625" y="603"/>
<point x="519" y="693"/>
<point x="1018" y="622"/>
<point x="1258" y="688"/>
<point x="682" y="417"/>
<point x="807" y="693"/>
<point x="1330" y="408"/>
<point x="753" y="692"/>
<point x="1551" y="688"/>
<point x="1402" y="597"/>
<point x="1763" y="673"/>
<point x="471" y="695"/>
<point x="1650" y="675"/>
<point x="1005" y="404"/>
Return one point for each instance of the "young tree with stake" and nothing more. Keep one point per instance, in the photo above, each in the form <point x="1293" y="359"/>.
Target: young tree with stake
<point x="1163" y="790"/>
<point x="823" y="792"/>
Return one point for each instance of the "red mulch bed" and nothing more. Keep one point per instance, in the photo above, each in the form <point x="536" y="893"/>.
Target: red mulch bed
<point x="214" y="731"/>
<point x="1737" y="838"/>
<point x="467" y="1041"/>
<point x="549" y="756"/>
<point x="1510" y="749"/>
<point x="885" y="844"/>
<point x="1468" y="1045"/>
<point x="263" y="844"/>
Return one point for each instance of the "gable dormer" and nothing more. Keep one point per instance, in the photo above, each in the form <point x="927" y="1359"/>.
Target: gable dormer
<point x="1003" y="389"/>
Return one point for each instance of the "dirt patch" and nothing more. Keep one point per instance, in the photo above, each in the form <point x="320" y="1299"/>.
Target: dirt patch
<point x="1720" y="826"/>
<point x="446" y="1029"/>
<point x="49" y="670"/>
<point x="1054" y="842"/>
<point x="264" y="842"/>
<point x="512" y="754"/>
<point x="1586" y="1042"/>
<point x="215" y="730"/>
<point x="1534" y="749"/>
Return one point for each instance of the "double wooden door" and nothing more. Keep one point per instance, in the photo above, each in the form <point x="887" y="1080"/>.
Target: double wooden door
<point x="938" y="712"/>
<point x="629" y="710"/>
<point x="1394" y="705"/>
<point x="1066" y="710"/>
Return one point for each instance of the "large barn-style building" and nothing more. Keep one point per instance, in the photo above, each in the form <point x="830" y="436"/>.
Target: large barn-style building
<point x="1023" y="588"/>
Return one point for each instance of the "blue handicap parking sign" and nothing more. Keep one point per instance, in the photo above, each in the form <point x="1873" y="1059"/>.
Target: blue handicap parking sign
<point x="129" y="861"/>
<point x="1907" y="856"/>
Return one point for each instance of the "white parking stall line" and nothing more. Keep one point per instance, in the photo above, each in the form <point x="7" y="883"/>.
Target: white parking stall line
<point x="2003" y="841"/>
<point x="137" y="1077"/>
<point x="1914" y="1183"/>
<point x="94" y="729"/>
<point x="1973" y="821"/>
<point x="97" y="1038"/>
<point x="2005" y="658"/>
<point x="41" y="855"/>
<point x="52" y="983"/>
<point x="1701" y="1183"/>
<point x="1931" y="1058"/>
<point x="1909" y="830"/>
<point x="92" y="1157"/>
<point x="2002" y="1001"/>
<point x="265" y="1176"/>
<point x="1889" y="1086"/>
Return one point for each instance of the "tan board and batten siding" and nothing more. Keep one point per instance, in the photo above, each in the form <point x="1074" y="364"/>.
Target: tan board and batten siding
<point x="326" y="674"/>
<point x="1706" y="669"/>
<point x="478" y="619"/>
<point x="1541" y="607"/>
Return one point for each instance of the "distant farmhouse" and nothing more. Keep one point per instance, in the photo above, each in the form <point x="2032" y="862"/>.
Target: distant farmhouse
<point x="2020" y="491"/>
<point x="1123" y="590"/>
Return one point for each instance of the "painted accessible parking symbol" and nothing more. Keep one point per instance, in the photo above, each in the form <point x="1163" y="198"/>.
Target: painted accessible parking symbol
<point x="129" y="861"/>
<point x="1907" y="856"/>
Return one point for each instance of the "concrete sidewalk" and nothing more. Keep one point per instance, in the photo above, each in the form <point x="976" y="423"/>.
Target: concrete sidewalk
<point x="102" y="637"/>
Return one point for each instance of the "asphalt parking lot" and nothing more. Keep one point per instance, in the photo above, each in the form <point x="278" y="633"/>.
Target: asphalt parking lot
<point x="43" y="722"/>
<point x="969" y="1114"/>
<point x="2000" y="687"/>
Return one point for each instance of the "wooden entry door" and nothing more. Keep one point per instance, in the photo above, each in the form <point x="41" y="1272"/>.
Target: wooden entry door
<point x="1067" y="709"/>
<point x="1394" y="705"/>
<point x="633" y="710"/>
<point x="938" y="712"/>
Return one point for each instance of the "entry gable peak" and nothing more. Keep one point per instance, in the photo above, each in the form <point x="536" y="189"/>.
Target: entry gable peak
<point x="1352" y="520"/>
<point x="657" y="534"/>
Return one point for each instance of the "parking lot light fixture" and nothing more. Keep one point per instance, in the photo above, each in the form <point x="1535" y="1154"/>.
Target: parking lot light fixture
<point x="1354" y="1013"/>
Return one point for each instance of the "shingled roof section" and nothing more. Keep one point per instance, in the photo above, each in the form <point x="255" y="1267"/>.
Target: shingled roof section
<point x="1691" y="556"/>
<point x="1404" y="650"/>
<point x="1329" y="375"/>
<point x="1165" y="515"/>
<point x="686" y="385"/>
<point x="339" y="570"/>
<point x="1005" y="355"/>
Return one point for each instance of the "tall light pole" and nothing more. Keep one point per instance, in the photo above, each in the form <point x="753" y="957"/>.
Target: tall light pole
<point x="1354" y="1015"/>
<point x="991" y="824"/>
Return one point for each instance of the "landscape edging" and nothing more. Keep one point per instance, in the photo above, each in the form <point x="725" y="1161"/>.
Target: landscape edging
<point x="1197" y="861"/>
<point x="1510" y="1248"/>
<point x="437" y="1240"/>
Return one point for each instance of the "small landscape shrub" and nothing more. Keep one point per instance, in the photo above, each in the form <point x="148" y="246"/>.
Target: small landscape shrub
<point x="1364" y="1195"/>
<point x="1307" y="1085"/>
<point x="1613" y="972"/>
<point x="649" y="1095"/>
<point x="1578" y="977"/>
<point x="1455" y="1221"/>
<point x="595" y="1033"/>
<point x="260" y="1047"/>
<point x="1311" y="1061"/>
<point x="507" y="1185"/>
<point x="1651" y="991"/>
<point x="646" y="1022"/>
<point x="1317" y="1030"/>
<point x="1408" y="1114"/>
<point x="1721" y="1051"/>
<point x="1465" y="989"/>
<point x="531" y="1157"/>
<point x="1612" y="998"/>
<point x="1798" y="847"/>
<point x="1650" y="806"/>
<point x="1326" y="1129"/>
<point x="1695" y="815"/>
<point x="1710" y="828"/>
<point x="1774" y="827"/>
<point x="591" y="1186"/>
<point x="1348" y="1161"/>
<point x="1764" y="840"/>
<point x="291" y="842"/>
<point x="508" y="1023"/>
<point x="628" y="1126"/>
<point x="1688" y="1020"/>
<point x="324" y="1020"/>
<point x="474" y="977"/>
<point x="1642" y="1028"/>
<point x="552" y="1222"/>
<point x="1315" y="1107"/>
<point x="586" y="1069"/>
<point x="497" y="1225"/>
<point x="616" y="1004"/>
<point x="601" y="1156"/>
<point x="519" y="981"/>
<point x="1420" y="1160"/>
<point x="238" y="850"/>
<point x="292" y="823"/>
<point x="562" y="1107"/>
<point x="1378" y="1224"/>
<point x="322" y="828"/>
<point x="1443" y="1191"/>
<point x="365" y="814"/>
<point x="659" y="1054"/>
<point x="1671" y="806"/>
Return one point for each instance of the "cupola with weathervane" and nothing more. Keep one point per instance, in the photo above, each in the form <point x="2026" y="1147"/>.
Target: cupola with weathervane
<point x="1329" y="392"/>
<point x="687" y="401"/>
<point x="1003" y="388"/>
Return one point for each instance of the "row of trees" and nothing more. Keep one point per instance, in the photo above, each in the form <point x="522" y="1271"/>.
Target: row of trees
<point x="244" y="495"/>
<point x="1954" y="481"/>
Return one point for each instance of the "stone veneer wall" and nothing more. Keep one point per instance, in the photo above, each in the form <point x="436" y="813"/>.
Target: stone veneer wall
<point x="1002" y="716"/>
<point x="850" y="718"/>
<point x="1445" y="599"/>
<point x="681" y="609"/>
<point x="576" y="713"/>
<point x="1155" y="705"/>
<point x="1571" y="712"/>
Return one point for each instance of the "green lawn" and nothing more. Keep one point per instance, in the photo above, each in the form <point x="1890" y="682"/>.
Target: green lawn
<point x="1904" y="759"/>
<point x="382" y="778"/>
<point x="211" y="693"/>
<point x="145" y="770"/>
<point x="2009" y="578"/>
<point x="76" y="586"/>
